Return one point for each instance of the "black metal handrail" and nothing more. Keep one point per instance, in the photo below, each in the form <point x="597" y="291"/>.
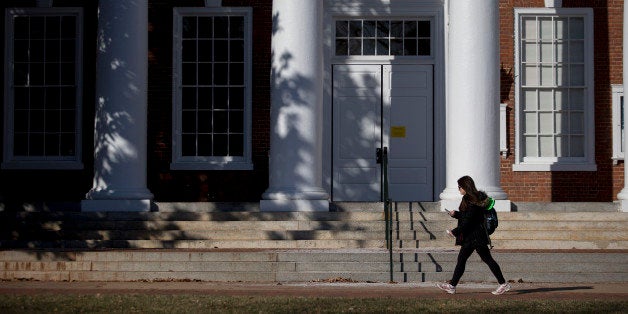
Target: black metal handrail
<point x="387" y="210"/>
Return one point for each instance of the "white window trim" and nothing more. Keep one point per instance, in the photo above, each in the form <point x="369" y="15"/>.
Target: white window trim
<point x="211" y="163"/>
<point x="618" y="92"/>
<point x="587" y="163"/>
<point x="41" y="162"/>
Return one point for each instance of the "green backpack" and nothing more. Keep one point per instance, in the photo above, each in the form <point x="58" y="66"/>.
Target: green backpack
<point x="490" y="217"/>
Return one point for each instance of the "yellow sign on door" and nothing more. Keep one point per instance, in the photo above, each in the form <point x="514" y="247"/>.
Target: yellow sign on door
<point x="397" y="131"/>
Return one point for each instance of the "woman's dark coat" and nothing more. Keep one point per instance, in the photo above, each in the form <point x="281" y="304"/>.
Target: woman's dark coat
<point x="470" y="229"/>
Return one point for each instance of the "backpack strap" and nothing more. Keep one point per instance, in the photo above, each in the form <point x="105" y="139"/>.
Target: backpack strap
<point x="491" y="203"/>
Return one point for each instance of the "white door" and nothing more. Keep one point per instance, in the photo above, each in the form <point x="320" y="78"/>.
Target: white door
<point x="376" y="106"/>
<point x="408" y="131"/>
<point x="357" y="118"/>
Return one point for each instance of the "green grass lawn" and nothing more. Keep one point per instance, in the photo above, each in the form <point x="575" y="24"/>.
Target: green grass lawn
<point x="145" y="303"/>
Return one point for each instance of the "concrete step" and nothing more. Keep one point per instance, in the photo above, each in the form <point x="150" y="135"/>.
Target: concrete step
<point x="307" y="265"/>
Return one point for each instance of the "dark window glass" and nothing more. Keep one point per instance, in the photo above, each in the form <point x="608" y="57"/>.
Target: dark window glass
<point x="221" y="100"/>
<point x="20" y="122"/>
<point x="53" y="119"/>
<point x="396" y="29"/>
<point x="236" y="122"/>
<point x="237" y="51"/>
<point x="53" y="98"/>
<point x="382" y="47"/>
<point x="205" y="74"/>
<point x="410" y="28"/>
<point x="424" y="47"/>
<point x="236" y="74"/>
<point x="396" y="47"/>
<point x="205" y="53"/>
<point x="38" y="27"/>
<point x="355" y="47"/>
<point x="20" y="144"/>
<point x="188" y="98"/>
<point x="189" y="27"/>
<point x="188" y="146"/>
<point x="53" y="27"/>
<point x="236" y="98"/>
<point x="342" y="48"/>
<point x="20" y="50"/>
<point x="68" y="27"/>
<point x="68" y="50"/>
<point x="68" y="97"/>
<point x="189" y="50"/>
<point x="205" y="98"/>
<point x="52" y="73"/>
<point x="21" y="98"/>
<point x="36" y="144"/>
<point x="369" y="47"/>
<point x="236" y="145"/>
<point x="342" y="28"/>
<point x="205" y="27"/>
<point x="205" y="121"/>
<point x="37" y="50"/>
<point x="221" y="50"/>
<point x="355" y="28"/>
<point x="221" y="121"/>
<point x="221" y="142"/>
<point x="68" y="121"/>
<point x="221" y="73"/>
<point x="221" y="27"/>
<point x="53" y="51"/>
<point x="52" y="144"/>
<point x="383" y="28"/>
<point x="67" y="143"/>
<point x="409" y="47"/>
<point x="189" y="121"/>
<point x="67" y="74"/>
<point x="189" y="74"/>
<point x="21" y="27"/>
<point x="369" y="29"/>
<point x="424" y="29"/>
<point x="236" y="27"/>
<point x="204" y="145"/>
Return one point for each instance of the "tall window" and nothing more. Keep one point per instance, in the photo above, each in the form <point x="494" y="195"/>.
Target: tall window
<point x="212" y="86"/>
<point x="554" y="93"/>
<point x="43" y="88"/>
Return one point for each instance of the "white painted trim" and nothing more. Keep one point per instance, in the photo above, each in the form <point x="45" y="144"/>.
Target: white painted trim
<point x="43" y="162"/>
<point x="563" y="164"/>
<point x="212" y="163"/>
<point x="617" y="92"/>
<point x="503" y="131"/>
<point x="387" y="9"/>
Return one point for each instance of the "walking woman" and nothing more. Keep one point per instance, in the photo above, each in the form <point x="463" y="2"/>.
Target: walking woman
<point x="471" y="235"/>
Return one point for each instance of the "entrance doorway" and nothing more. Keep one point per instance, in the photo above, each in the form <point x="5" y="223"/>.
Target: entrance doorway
<point x="377" y="106"/>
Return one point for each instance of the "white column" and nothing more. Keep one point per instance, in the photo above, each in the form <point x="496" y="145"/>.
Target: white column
<point x="473" y="100"/>
<point x="120" y="119"/>
<point x="623" y="194"/>
<point x="296" y="108"/>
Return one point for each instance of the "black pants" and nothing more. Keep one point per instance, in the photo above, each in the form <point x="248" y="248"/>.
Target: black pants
<point x="485" y="254"/>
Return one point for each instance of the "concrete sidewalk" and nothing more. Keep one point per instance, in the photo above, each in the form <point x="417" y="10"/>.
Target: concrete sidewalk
<point x="520" y="291"/>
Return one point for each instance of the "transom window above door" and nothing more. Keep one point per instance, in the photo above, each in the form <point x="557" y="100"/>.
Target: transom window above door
<point x="399" y="37"/>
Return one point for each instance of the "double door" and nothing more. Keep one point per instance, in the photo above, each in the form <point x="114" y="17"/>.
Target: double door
<point x="377" y="106"/>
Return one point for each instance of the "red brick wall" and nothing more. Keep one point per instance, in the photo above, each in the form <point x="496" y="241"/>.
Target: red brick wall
<point x="607" y="181"/>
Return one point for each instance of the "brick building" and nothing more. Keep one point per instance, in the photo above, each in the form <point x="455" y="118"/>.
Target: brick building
<point x="118" y="105"/>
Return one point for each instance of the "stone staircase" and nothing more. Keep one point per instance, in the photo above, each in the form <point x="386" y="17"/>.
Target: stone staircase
<point x="239" y="243"/>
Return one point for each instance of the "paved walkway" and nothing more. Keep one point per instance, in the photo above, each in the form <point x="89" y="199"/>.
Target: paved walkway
<point x="586" y="291"/>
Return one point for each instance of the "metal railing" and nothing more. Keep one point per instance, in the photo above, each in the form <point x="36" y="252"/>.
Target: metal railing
<point x="387" y="209"/>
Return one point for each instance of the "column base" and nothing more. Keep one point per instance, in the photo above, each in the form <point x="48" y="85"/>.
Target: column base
<point x="287" y="205"/>
<point x="116" y="205"/>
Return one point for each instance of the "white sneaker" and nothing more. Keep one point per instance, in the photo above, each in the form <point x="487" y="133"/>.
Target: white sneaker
<point x="447" y="287"/>
<point x="451" y="235"/>
<point x="501" y="289"/>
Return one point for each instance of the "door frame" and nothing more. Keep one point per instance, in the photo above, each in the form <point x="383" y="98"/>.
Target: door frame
<point x="376" y="9"/>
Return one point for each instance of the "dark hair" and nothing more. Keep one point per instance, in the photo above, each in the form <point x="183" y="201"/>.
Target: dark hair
<point x="472" y="195"/>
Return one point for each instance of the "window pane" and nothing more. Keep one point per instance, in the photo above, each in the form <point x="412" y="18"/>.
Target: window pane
<point x="221" y="121"/>
<point x="529" y="28"/>
<point x="221" y="27"/>
<point x="561" y="51"/>
<point x="67" y="144"/>
<point x="21" y="98"/>
<point x="53" y="50"/>
<point x="52" y="73"/>
<point x="355" y="28"/>
<point x="369" y="47"/>
<point x="36" y="144"/>
<point x="355" y="47"/>
<point x="396" y="47"/>
<point x="20" y="144"/>
<point x="562" y="75"/>
<point x="546" y="100"/>
<point x="204" y="98"/>
<point x="531" y="146"/>
<point x="382" y="47"/>
<point x="205" y="51"/>
<point x="410" y="29"/>
<point x="21" y="27"/>
<point x="576" y="51"/>
<point x="188" y="52"/>
<point x="221" y="50"/>
<point x="561" y="101"/>
<point x="369" y="29"/>
<point x="205" y="74"/>
<point x="546" y="52"/>
<point x="189" y="27"/>
<point x="577" y="123"/>
<point x="576" y="74"/>
<point x="529" y="52"/>
<point x="188" y="146"/>
<point x="383" y="28"/>
<point x="68" y="120"/>
<point x="409" y="47"/>
<point x="68" y="27"/>
<point x="546" y="29"/>
<point x="396" y="29"/>
<point x="236" y="27"/>
<point x="236" y="145"/>
<point x="205" y="121"/>
<point x="546" y="123"/>
<point x="68" y="50"/>
<point x="424" y="29"/>
<point x="188" y="73"/>
<point x="576" y="28"/>
<point x="562" y="146"/>
<point x="236" y="122"/>
<point x="20" y="118"/>
<point x="189" y="121"/>
<point x="205" y="27"/>
<point x="236" y="74"/>
<point x="221" y="73"/>
<point x="529" y="100"/>
<point x="37" y="27"/>
<point x="531" y="75"/>
<point x="342" y="47"/>
<point x="236" y="53"/>
<point x="547" y="76"/>
<point x="204" y="145"/>
<point x="576" y="146"/>
<point x="52" y="144"/>
<point x="576" y="99"/>
<point x="530" y="123"/>
<point x="547" y="146"/>
<point x="188" y="98"/>
<point x="221" y="100"/>
<point x="425" y="48"/>
<point x="53" y="120"/>
<point x="561" y="28"/>
<point x="221" y="142"/>
<point x="236" y="98"/>
<point x="342" y="28"/>
<point x="562" y="123"/>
